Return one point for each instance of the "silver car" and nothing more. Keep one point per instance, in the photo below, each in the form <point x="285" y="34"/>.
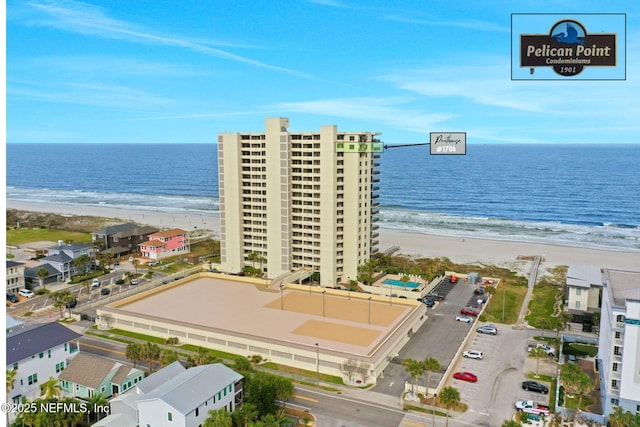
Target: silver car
<point x="465" y="319"/>
<point x="487" y="329"/>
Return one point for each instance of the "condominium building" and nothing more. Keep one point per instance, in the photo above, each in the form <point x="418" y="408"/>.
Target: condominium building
<point x="299" y="200"/>
<point x="619" y="341"/>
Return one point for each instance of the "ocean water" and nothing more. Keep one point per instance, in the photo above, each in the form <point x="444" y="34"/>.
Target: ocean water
<point x="586" y="195"/>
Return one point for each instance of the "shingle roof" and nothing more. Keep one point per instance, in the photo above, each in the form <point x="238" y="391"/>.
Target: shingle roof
<point x="13" y="263"/>
<point x="152" y="243"/>
<point x="59" y="257"/>
<point x="167" y="233"/>
<point x="33" y="272"/>
<point x="194" y="386"/>
<point x="25" y="342"/>
<point x="113" y="229"/>
<point x="90" y="370"/>
<point x="73" y="246"/>
<point x="138" y="231"/>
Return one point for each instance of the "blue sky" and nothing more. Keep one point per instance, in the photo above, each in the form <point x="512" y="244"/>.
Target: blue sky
<point x="158" y="71"/>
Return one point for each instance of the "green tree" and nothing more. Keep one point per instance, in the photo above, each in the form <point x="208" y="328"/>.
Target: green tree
<point x="450" y="397"/>
<point x="262" y="391"/>
<point x="168" y="357"/>
<point x="60" y="300"/>
<point x="150" y="352"/>
<point x="404" y="279"/>
<point x="414" y="369"/>
<point x="42" y="274"/>
<point x="584" y="386"/>
<point x="537" y="353"/>
<point x="544" y="324"/>
<point x="430" y="364"/>
<point x="133" y="352"/>
<point x="82" y="261"/>
<point x="11" y="379"/>
<point x="243" y="366"/>
<point x="135" y="264"/>
<point x="96" y="401"/>
<point x="511" y="423"/>
<point x="245" y="415"/>
<point x="620" y="418"/>
<point x="253" y="257"/>
<point x="51" y="388"/>
<point x="218" y="418"/>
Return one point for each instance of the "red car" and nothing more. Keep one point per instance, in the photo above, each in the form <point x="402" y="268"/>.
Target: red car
<point x="469" y="312"/>
<point x="453" y="278"/>
<point x="465" y="376"/>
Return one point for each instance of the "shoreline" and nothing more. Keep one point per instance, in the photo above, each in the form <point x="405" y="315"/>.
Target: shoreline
<point x="414" y="243"/>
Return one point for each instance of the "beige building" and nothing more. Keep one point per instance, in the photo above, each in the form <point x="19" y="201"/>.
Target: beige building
<point x="298" y="200"/>
<point x="15" y="276"/>
<point x="584" y="292"/>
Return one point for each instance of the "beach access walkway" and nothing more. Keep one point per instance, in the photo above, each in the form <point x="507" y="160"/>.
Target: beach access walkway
<point x="533" y="277"/>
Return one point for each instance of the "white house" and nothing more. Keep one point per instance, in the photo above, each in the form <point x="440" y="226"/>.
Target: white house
<point x="176" y="397"/>
<point x="584" y="289"/>
<point x="619" y="341"/>
<point x="15" y="276"/>
<point x="38" y="353"/>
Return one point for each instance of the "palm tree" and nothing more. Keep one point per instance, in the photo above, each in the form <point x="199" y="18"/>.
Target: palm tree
<point x="430" y="364"/>
<point x="218" y="418"/>
<point x="245" y="415"/>
<point x="253" y="257"/>
<point x="584" y="386"/>
<point x="135" y="263"/>
<point x="620" y="418"/>
<point x="413" y="368"/>
<point x="11" y="379"/>
<point x="82" y="262"/>
<point x="133" y="352"/>
<point x="544" y="324"/>
<point x="404" y="279"/>
<point x="150" y="352"/>
<point x="60" y="300"/>
<point x="42" y="274"/>
<point x="537" y="353"/>
<point x="168" y="357"/>
<point x="97" y="400"/>
<point x="450" y="397"/>
<point x="51" y="388"/>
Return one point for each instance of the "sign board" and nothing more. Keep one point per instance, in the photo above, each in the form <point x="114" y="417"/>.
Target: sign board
<point x="448" y="143"/>
<point x="560" y="47"/>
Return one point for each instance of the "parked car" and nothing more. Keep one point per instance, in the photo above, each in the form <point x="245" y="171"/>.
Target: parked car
<point x="487" y="329"/>
<point x="72" y="303"/>
<point x="453" y="278"/>
<point x="465" y="319"/>
<point x="465" y="376"/>
<point x="535" y="386"/>
<point x="105" y="291"/>
<point x="469" y="312"/>
<point x="116" y="262"/>
<point x="473" y="354"/>
<point x="436" y="296"/>
<point x="532" y="407"/>
<point x="547" y="348"/>
<point x="11" y="297"/>
<point x="429" y="302"/>
<point x="134" y="281"/>
<point x="152" y="263"/>
<point x="95" y="283"/>
<point x="26" y="293"/>
<point x="130" y="259"/>
<point x="478" y="291"/>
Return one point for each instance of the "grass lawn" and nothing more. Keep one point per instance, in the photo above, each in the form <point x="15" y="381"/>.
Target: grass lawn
<point x="25" y="235"/>
<point x="304" y="373"/>
<point x="541" y="306"/>
<point x="512" y="293"/>
<point x="572" y="402"/>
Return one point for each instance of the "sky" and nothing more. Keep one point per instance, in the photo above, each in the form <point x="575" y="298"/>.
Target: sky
<point x="160" y="71"/>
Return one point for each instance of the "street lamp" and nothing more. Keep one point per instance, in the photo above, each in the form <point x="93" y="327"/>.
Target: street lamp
<point x="369" y="309"/>
<point x="281" y="302"/>
<point x="349" y="288"/>
<point x="323" y="292"/>
<point x="318" y="362"/>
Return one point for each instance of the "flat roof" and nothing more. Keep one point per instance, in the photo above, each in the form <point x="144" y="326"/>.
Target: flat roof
<point x="348" y="323"/>
<point x="624" y="285"/>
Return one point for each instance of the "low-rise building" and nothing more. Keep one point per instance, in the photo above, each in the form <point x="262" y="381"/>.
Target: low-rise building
<point x="584" y="292"/>
<point x="619" y="341"/>
<point x="122" y="238"/>
<point x="164" y="244"/>
<point x="177" y="396"/>
<point x="60" y="262"/>
<point x="15" y="276"/>
<point x="38" y="353"/>
<point x="88" y="374"/>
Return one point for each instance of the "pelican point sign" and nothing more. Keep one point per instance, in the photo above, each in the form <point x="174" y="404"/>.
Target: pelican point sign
<point x="568" y="48"/>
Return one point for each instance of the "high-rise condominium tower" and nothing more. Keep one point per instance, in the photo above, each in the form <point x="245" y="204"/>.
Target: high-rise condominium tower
<point x="299" y="200"/>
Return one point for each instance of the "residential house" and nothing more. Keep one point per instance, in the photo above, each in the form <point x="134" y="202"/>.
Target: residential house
<point x="88" y="374"/>
<point x="164" y="244"/>
<point x="15" y="276"/>
<point x="121" y="239"/>
<point x="177" y="397"/>
<point x="38" y="353"/>
<point x="584" y="292"/>
<point x="619" y="341"/>
<point x="59" y="262"/>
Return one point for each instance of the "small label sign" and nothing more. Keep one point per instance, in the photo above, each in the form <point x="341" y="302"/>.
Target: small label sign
<point x="448" y="143"/>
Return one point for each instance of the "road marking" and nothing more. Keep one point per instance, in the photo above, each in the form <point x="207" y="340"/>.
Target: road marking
<point x="391" y="384"/>
<point x="84" y="344"/>
<point x="409" y="423"/>
<point x="310" y="399"/>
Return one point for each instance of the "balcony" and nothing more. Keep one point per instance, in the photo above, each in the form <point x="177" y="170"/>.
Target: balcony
<point x="375" y="180"/>
<point x="375" y="243"/>
<point x="375" y="211"/>
<point x="375" y="196"/>
<point x="375" y="235"/>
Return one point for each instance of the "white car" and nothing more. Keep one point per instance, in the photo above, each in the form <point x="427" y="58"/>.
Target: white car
<point x="473" y="354"/>
<point x="465" y="319"/>
<point x="95" y="283"/>
<point x="26" y="293"/>
<point x="547" y="349"/>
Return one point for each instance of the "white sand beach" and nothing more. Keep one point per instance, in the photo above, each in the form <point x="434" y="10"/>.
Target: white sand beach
<point x="467" y="250"/>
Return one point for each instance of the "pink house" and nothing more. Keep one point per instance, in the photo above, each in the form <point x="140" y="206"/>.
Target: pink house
<point x="165" y="244"/>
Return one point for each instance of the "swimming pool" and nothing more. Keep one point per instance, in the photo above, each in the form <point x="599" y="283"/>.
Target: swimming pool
<point x="393" y="282"/>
